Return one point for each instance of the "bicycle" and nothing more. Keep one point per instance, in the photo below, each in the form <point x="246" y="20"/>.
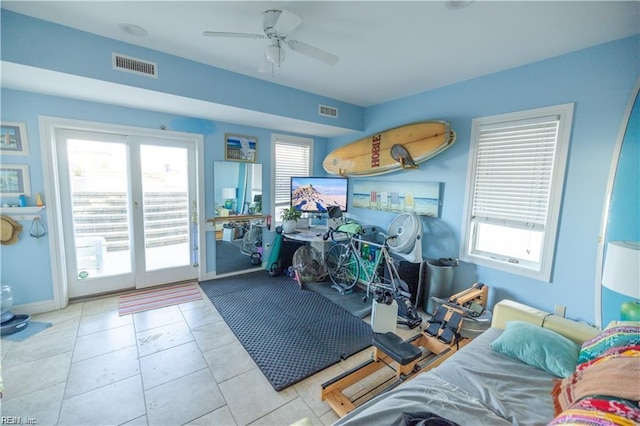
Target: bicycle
<point x="346" y="266"/>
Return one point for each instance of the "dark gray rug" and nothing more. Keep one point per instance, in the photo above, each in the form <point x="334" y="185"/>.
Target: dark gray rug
<point x="229" y="258"/>
<point x="352" y="302"/>
<point x="290" y="333"/>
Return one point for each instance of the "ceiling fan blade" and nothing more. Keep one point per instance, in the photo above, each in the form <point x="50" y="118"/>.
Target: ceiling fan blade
<point x="314" y="52"/>
<point x="287" y="22"/>
<point x="225" y="34"/>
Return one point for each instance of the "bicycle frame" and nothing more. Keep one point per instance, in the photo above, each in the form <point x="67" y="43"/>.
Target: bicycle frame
<point x="373" y="280"/>
<point x="344" y="262"/>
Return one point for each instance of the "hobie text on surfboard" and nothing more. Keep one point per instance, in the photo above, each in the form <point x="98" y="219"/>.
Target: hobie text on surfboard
<point x="375" y="151"/>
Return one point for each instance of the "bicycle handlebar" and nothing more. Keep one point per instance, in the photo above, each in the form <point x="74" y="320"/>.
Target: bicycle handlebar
<point x="359" y="236"/>
<point x="332" y="231"/>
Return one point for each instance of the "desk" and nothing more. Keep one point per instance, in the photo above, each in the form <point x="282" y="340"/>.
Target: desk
<point x="313" y="236"/>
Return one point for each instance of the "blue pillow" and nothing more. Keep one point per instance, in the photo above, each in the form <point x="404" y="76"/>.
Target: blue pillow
<point x="538" y="347"/>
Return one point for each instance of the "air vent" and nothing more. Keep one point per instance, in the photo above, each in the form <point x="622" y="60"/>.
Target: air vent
<point x="134" y="65"/>
<point x="328" y="111"/>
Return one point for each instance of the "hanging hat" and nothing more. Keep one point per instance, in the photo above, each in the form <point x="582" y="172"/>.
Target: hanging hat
<point x="9" y="230"/>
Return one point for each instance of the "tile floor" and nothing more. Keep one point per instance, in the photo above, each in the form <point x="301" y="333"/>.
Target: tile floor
<point x="170" y="366"/>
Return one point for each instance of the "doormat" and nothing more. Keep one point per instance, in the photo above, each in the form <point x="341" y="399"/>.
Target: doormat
<point x="290" y="333"/>
<point x="158" y="298"/>
<point x="31" y="329"/>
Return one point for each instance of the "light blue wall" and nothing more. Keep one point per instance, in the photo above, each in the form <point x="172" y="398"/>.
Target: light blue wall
<point x="41" y="44"/>
<point x="27" y="264"/>
<point x="599" y="81"/>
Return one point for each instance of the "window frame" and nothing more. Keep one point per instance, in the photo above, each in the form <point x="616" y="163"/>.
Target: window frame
<point x="293" y="141"/>
<point x="468" y="252"/>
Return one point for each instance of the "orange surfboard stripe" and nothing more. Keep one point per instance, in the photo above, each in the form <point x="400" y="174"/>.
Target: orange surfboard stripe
<point x="372" y="155"/>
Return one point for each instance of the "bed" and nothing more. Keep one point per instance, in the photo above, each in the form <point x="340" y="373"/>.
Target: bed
<point x="481" y="385"/>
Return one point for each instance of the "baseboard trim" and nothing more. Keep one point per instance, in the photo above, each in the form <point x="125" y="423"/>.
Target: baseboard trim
<point x="35" y="308"/>
<point x="208" y="276"/>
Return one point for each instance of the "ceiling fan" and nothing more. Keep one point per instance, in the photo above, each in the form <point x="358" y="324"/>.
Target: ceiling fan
<point x="277" y="25"/>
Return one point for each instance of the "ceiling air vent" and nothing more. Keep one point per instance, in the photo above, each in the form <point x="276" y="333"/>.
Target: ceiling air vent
<point x="328" y="111"/>
<point x="134" y="65"/>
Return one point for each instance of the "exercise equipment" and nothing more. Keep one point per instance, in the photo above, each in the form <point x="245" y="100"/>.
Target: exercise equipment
<point x="439" y="340"/>
<point x="470" y="302"/>
<point x="251" y="243"/>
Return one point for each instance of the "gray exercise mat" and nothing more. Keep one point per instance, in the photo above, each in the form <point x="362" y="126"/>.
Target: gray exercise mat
<point x="289" y="332"/>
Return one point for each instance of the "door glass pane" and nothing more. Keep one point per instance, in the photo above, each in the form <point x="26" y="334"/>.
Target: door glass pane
<point x="165" y="188"/>
<point x="99" y="192"/>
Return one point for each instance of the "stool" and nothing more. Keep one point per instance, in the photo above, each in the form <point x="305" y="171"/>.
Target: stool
<point x="405" y="354"/>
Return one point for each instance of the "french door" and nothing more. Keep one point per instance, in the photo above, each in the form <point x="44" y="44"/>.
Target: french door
<point x="127" y="203"/>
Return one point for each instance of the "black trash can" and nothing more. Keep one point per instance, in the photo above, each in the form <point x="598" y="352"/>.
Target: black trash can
<point x="440" y="278"/>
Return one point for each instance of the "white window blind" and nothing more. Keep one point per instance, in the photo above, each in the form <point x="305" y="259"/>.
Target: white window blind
<point x="516" y="173"/>
<point x="292" y="156"/>
<point x="513" y="172"/>
<point x="292" y="159"/>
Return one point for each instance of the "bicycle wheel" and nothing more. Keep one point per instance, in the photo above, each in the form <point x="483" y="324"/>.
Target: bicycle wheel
<point x="343" y="267"/>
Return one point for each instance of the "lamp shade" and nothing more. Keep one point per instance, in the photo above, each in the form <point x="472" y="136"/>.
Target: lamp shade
<point x="275" y="54"/>
<point x="622" y="268"/>
<point x="228" y="193"/>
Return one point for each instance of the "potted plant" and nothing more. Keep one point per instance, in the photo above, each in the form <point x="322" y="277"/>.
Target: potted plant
<point x="289" y="218"/>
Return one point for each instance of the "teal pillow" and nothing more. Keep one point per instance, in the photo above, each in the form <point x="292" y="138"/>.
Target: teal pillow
<point x="538" y="347"/>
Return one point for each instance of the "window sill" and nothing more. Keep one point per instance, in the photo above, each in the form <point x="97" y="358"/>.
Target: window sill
<point x="505" y="266"/>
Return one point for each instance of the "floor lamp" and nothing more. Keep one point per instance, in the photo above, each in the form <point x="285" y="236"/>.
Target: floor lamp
<point x="621" y="282"/>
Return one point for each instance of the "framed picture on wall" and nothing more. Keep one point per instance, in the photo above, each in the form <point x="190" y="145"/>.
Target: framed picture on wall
<point x="13" y="138"/>
<point x="240" y="148"/>
<point x="14" y="180"/>
<point x="422" y="198"/>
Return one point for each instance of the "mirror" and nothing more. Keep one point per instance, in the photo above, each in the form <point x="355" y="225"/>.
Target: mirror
<point x="237" y="192"/>
<point x="620" y="217"/>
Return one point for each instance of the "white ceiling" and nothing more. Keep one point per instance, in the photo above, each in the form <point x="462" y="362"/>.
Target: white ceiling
<point x="387" y="49"/>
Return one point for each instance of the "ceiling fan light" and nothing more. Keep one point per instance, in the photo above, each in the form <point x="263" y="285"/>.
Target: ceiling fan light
<point x="275" y="54"/>
<point x="455" y="5"/>
<point x="133" y="29"/>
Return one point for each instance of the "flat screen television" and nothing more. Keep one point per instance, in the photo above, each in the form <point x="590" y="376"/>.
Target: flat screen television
<point x="317" y="194"/>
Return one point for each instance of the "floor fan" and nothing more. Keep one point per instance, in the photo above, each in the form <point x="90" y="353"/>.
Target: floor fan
<point x="406" y="230"/>
<point x="308" y="265"/>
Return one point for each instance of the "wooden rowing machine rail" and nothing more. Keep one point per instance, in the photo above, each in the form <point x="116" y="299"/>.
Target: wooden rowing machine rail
<point x="440" y="339"/>
<point x="406" y="358"/>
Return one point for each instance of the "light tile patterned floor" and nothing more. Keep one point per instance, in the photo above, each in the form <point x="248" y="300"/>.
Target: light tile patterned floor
<point x="169" y="366"/>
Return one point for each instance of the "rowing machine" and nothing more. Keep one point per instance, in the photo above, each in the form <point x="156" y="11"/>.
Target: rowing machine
<point x="438" y="341"/>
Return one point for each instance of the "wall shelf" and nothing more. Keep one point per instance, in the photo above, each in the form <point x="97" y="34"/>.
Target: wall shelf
<point x="22" y="213"/>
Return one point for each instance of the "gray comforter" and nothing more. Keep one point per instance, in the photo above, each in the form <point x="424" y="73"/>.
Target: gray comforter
<point x="476" y="386"/>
